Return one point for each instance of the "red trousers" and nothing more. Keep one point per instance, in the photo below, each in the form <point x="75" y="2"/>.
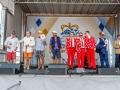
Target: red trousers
<point x="90" y="54"/>
<point x="71" y="54"/>
<point x="80" y="58"/>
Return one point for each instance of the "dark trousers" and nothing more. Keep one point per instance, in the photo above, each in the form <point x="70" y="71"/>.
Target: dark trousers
<point x="104" y="58"/>
<point x="117" y="60"/>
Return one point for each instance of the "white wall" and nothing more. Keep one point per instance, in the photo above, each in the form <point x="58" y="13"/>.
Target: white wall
<point x="14" y="22"/>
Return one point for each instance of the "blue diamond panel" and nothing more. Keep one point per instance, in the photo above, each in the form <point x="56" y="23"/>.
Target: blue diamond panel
<point x="38" y="22"/>
<point x="103" y="20"/>
<point x="101" y="26"/>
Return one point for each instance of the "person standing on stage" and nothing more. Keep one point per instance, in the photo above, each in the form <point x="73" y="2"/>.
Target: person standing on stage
<point x="90" y="44"/>
<point x="117" y="52"/>
<point x="39" y="49"/>
<point x="70" y="50"/>
<point x="102" y="43"/>
<point x="55" y="46"/>
<point x="28" y="48"/>
<point x="12" y="45"/>
<point x="80" y="48"/>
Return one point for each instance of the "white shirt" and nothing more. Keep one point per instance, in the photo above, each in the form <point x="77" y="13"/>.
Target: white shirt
<point x="89" y="36"/>
<point x="72" y="40"/>
<point x="28" y="41"/>
<point x="82" y="43"/>
<point x="12" y="43"/>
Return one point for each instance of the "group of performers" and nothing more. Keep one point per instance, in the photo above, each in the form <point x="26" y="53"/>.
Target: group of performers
<point x="83" y="46"/>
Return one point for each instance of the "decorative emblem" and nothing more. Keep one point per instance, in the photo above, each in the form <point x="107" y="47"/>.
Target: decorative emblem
<point x="66" y="29"/>
<point x="69" y="26"/>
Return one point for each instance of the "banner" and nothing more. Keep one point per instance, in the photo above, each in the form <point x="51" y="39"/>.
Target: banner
<point x="64" y="25"/>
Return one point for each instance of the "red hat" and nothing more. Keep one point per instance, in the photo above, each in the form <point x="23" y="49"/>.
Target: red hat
<point x="101" y="33"/>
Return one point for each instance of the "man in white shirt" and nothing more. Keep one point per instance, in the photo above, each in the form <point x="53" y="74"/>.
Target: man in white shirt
<point x="29" y="42"/>
<point x="12" y="45"/>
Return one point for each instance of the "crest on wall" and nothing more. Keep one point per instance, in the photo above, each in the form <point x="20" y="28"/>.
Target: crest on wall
<point x="66" y="29"/>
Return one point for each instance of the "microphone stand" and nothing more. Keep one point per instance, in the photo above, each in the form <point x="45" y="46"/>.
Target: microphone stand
<point x="64" y="60"/>
<point x="14" y="85"/>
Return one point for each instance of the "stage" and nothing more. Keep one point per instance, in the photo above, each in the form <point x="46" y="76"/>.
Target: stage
<point x="60" y="82"/>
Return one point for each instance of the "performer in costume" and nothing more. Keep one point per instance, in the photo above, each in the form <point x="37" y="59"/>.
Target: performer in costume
<point x="80" y="48"/>
<point x="70" y="49"/>
<point x="102" y="43"/>
<point x="90" y="44"/>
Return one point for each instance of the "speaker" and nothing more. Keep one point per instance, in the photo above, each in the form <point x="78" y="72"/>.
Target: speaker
<point x="34" y="71"/>
<point x="91" y="71"/>
<point x="71" y="71"/>
<point x="57" y="69"/>
<point x="80" y="70"/>
<point x="108" y="71"/>
<point x="9" y="68"/>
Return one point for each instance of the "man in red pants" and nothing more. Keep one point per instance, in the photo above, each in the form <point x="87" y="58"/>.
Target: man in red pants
<point x="70" y="49"/>
<point x="80" y="48"/>
<point x="90" y="44"/>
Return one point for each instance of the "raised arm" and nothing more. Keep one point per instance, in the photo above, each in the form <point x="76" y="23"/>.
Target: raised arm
<point x="21" y="41"/>
<point x="44" y="42"/>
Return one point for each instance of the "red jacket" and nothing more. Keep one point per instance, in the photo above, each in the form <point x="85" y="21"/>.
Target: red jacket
<point x="79" y="44"/>
<point x="90" y="43"/>
<point x="68" y="43"/>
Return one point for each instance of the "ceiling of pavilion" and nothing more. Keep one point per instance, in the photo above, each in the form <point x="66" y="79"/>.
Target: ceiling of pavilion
<point x="69" y="7"/>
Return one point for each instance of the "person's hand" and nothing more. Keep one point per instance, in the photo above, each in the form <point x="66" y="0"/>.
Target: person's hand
<point x="15" y="49"/>
<point x="0" y="46"/>
<point x="66" y="51"/>
<point x="8" y="47"/>
<point x="43" y="40"/>
<point x="77" y="44"/>
<point x="61" y="50"/>
<point x="27" y="45"/>
<point x="104" y="45"/>
<point x="94" y="49"/>
<point x="50" y="51"/>
<point x="34" y="51"/>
